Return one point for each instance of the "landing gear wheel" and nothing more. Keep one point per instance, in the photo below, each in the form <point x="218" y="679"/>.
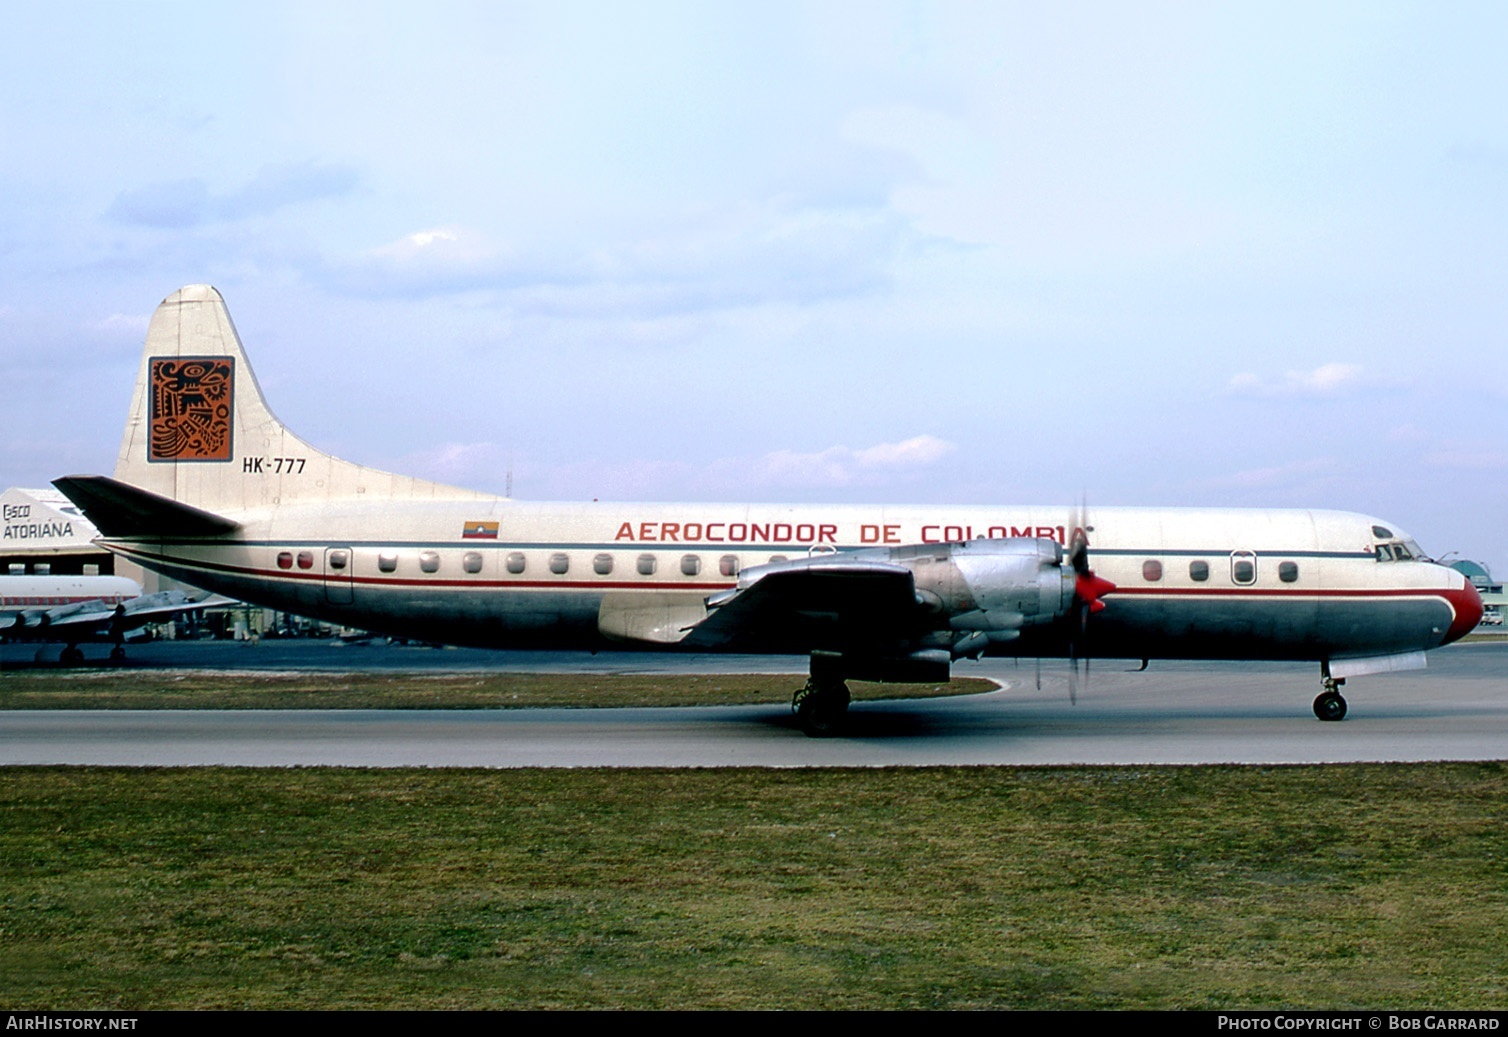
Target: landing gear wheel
<point x="820" y="707"/>
<point x="1330" y="705"/>
<point x="71" y="657"/>
<point x="117" y="654"/>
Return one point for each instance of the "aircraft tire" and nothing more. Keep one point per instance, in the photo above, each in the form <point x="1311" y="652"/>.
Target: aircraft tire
<point x="820" y="708"/>
<point x="117" y="654"/>
<point x="1330" y="705"/>
<point x="71" y="657"/>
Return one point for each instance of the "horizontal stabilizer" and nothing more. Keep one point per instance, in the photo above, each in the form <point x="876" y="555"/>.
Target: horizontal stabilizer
<point x="119" y="509"/>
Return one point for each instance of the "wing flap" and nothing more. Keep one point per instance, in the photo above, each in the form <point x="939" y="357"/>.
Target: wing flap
<point x="788" y="605"/>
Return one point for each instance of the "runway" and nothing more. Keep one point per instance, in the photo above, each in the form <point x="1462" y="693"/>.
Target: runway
<point x="1176" y="713"/>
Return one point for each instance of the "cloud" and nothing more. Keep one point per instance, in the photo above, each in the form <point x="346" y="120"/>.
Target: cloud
<point x="1289" y="474"/>
<point x="277" y="186"/>
<point x="745" y="256"/>
<point x="180" y="204"/>
<point x="485" y="465"/>
<point x="122" y="323"/>
<point x="1474" y="460"/>
<point x="441" y="260"/>
<point x="843" y="466"/>
<point x="461" y="463"/>
<point x="1327" y="380"/>
<point x="169" y="205"/>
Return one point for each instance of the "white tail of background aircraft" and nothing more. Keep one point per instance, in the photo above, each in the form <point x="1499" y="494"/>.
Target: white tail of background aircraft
<point x="210" y="488"/>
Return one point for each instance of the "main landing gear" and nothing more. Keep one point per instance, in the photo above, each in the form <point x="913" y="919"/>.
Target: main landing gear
<point x="822" y="704"/>
<point x="73" y="655"/>
<point x="1330" y="705"/>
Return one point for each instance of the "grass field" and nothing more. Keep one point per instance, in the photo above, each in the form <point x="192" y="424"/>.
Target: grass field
<point x="1220" y="887"/>
<point x="179" y="689"/>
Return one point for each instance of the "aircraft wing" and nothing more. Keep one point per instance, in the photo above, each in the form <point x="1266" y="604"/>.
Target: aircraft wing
<point x="100" y="620"/>
<point x="779" y="607"/>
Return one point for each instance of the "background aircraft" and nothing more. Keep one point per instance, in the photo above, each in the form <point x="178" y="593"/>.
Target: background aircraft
<point x="78" y="609"/>
<point x="210" y="488"/>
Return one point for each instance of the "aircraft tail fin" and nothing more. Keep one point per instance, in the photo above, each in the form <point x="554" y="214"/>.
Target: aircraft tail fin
<point x="200" y="431"/>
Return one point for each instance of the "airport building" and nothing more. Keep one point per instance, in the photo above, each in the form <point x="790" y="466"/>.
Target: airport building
<point x="45" y="535"/>
<point x="1493" y="599"/>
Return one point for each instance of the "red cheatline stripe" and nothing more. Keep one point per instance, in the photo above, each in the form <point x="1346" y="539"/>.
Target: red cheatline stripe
<point x="401" y="581"/>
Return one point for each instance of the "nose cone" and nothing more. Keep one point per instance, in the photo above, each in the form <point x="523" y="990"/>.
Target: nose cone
<point x="1463" y="597"/>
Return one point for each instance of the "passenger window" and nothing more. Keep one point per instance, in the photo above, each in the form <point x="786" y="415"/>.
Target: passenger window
<point x="646" y="565"/>
<point x="727" y="565"/>
<point x="429" y="561"/>
<point x="471" y="561"/>
<point x="387" y="563"/>
<point x="560" y="563"/>
<point x="602" y="564"/>
<point x="1199" y="571"/>
<point x="516" y="562"/>
<point x="285" y="560"/>
<point x="339" y="559"/>
<point x="1243" y="568"/>
<point x="306" y="559"/>
<point x="775" y="559"/>
<point x="690" y="565"/>
<point x="1288" y="572"/>
<point x="1151" y="571"/>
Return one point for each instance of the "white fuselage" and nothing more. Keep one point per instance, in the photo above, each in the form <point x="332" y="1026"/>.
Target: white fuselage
<point x="1190" y="583"/>
<point x="24" y="594"/>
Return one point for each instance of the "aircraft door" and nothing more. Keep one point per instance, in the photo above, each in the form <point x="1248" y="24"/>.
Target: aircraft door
<point x="338" y="583"/>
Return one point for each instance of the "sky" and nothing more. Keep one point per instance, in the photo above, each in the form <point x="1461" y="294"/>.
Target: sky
<point x="1246" y="255"/>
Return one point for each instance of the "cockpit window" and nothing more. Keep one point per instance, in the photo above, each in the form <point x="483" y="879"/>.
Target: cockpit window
<point x="1382" y="532"/>
<point x="1399" y="551"/>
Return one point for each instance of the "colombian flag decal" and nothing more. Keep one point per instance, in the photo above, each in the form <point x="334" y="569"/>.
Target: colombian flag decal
<point x="479" y="531"/>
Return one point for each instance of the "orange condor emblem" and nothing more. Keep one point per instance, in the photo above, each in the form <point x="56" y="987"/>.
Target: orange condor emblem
<point x="190" y="407"/>
<point x="479" y="531"/>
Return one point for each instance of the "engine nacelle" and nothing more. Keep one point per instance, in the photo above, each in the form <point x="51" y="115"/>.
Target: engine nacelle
<point x="989" y="590"/>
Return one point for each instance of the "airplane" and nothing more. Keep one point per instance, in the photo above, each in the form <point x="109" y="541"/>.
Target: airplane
<point x="76" y="609"/>
<point x="210" y="488"/>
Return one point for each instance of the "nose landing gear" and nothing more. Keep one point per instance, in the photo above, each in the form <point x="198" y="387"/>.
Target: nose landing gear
<point x="1331" y="705"/>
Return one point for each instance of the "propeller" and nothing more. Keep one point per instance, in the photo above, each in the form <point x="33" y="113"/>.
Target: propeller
<point x="1088" y="592"/>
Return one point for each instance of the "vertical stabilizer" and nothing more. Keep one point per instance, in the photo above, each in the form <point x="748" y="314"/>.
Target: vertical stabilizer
<point x="200" y="431"/>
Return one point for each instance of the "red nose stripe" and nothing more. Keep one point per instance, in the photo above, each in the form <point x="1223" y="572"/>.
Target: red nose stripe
<point x="1468" y="605"/>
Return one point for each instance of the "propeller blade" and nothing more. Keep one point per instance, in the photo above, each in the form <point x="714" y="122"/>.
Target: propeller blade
<point x="1088" y="591"/>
